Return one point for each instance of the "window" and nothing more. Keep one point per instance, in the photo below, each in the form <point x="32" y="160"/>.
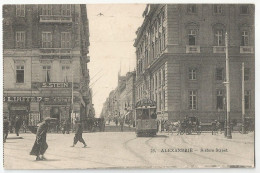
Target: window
<point x="46" y="9"/>
<point x="244" y="9"/>
<point x="247" y="99"/>
<point x="153" y="50"/>
<point x="192" y="74"/>
<point x="163" y="77"/>
<point x="163" y="38"/>
<point x="163" y="15"/>
<point x="218" y="9"/>
<point x="193" y="100"/>
<point x="192" y="37"/>
<point x="191" y="9"/>
<point x="220" y="101"/>
<point x="20" y="10"/>
<point x="46" y="39"/>
<point x="65" y="73"/>
<point x="46" y="73"/>
<point x="245" y="38"/>
<point x="65" y="40"/>
<point x="219" y="74"/>
<point x="66" y="10"/>
<point x="219" y="37"/>
<point x="247" y="74"/>
<point x="20" y="39"/>
<point x="19" y="74"/>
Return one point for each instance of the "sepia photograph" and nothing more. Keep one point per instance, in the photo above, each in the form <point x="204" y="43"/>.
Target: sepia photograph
<point x="133" y="85"/>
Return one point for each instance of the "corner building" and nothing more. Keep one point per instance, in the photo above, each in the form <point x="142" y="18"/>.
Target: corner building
<point x="180" y="50"/>
<point x="45" y="51"/>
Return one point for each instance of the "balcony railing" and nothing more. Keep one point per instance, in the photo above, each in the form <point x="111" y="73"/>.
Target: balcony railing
<point x="246" y="49"/>
<point x="219" y="49"/>
<point x="55" y="19"/>
<point x="55" y="51"/>
<point x="192" y="49"/>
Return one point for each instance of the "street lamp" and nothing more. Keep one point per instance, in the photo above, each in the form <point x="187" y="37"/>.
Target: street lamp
<point x="227" y="82"/>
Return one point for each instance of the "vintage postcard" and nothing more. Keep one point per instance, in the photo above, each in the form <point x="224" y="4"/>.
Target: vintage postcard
<point x="128" y="86"/>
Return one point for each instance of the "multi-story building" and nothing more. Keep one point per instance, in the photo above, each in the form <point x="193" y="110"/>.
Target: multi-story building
<point x="180" y="50"/>
<point x="121" y="101"/>
<point x="130" y="96"/>
<point x="45" y="51"/>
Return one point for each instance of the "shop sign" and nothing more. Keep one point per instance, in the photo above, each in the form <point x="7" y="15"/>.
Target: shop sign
<point x="22" y="99"/>
<point x="57" y="100"/>
<point x="40" y="99"/>
<point x="54" y="85"/>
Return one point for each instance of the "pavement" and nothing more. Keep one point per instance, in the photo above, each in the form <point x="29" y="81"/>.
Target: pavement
<point x="125" y="150"/>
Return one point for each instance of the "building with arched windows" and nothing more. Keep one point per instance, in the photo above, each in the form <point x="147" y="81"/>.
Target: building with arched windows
<point x="180" y="55"/>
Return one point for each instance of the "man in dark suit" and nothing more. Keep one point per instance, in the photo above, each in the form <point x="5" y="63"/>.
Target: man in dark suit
<point x="78" y="135"/>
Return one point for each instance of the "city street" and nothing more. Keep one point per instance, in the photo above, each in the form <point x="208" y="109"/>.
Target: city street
<point x="123" y="149"/>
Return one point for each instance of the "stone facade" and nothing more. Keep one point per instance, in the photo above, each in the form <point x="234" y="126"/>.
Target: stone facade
<point x="45" y="51"/>
<point x="180" y="52"/>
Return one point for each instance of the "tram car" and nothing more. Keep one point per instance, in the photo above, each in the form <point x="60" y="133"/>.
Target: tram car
<point x="146" y="123"/>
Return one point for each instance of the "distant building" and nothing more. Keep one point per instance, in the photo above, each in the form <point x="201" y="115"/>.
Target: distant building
<point x="121" y="101"/>
<point x="180" y="55"/>
<point x="45" y="50"/>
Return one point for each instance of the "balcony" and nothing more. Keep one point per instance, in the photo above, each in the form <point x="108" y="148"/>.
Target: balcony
<point x="219" y="49"/>
<point x="55" y="19"/>
<point x="192" y="49"/>
<point x="246" y="49"/>
<point x="55" y="52"/>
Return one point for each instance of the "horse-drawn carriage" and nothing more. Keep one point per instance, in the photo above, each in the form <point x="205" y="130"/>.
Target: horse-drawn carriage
<point x="190" y="125"/>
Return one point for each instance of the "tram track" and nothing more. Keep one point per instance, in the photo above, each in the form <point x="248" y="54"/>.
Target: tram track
<point x="128" y="148"/>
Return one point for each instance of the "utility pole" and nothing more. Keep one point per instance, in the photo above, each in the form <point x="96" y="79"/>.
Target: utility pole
<point x="229" y="136"/>
<point x="72" y="100"/>
<point x="243" y="99"/>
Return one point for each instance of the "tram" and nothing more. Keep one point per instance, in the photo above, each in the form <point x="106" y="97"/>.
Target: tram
<point x="145" y="118"/>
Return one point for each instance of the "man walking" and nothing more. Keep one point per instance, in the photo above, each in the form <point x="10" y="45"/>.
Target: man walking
<point x="18" y="124"/>
<point x="6" y="128"/>
<point x="78" y="135"/>
<point x="40" y="145"/>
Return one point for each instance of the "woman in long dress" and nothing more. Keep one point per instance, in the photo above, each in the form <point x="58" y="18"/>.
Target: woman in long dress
<point x="40" y="145"/>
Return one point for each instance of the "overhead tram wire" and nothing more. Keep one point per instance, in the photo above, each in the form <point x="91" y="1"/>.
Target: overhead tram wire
<point x="92" y="84"/>
<point x="96" y="74"/>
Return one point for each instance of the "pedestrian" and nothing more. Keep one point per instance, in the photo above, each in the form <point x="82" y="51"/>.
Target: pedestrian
<point x="5" y="128"/>
<point x="68" y="126"/>
<point x="40" y="145"/>
<point x="213" y="126"/>
<point x="116" y="121"/>
<point x="78" y="135"/>
<point x="24" y="126"/>
<point x="122" y="124"/>
<point x="18" y="124"/>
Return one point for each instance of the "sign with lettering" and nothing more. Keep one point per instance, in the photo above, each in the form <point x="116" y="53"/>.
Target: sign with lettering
<point x="54" y="85"/>
<point x="48" y="100"/>
<point x="22" y="99"/>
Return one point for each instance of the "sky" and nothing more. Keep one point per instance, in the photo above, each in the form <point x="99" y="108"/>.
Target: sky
<point x="112" y="36"/>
